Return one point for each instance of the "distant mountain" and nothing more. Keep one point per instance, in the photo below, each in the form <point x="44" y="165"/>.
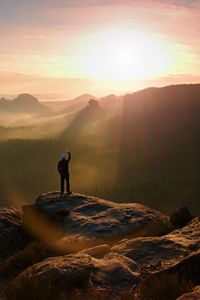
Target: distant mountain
<point x="149" y="152"/>
<point x="77" y="104"/>
<point x="112" y="103"/>
<point x="86" y="120"/>
<point x="160" y="131"/>
<point x="163" y="114"/>
<point x="108" y="100"/>
<point x="70" y="106"/>
<point x="23" y="104"/>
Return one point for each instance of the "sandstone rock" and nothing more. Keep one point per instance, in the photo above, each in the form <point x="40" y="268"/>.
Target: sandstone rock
<point x="98" y="251"/>
<point x="167" y="249"/>
<point x="195" y="295"/>
<point x="115" y="272"/>
<point x="51" y="277"/>
<point x="132" y="265"/>
<point x="101" y="219"/>
<point x="184" y="272"/>
<point x="180" y="217"/>
<point x="187" y="268"/>
<point x="89" y="227"/>
<point x="58" y="275"/>
<point x="11" y="234"/>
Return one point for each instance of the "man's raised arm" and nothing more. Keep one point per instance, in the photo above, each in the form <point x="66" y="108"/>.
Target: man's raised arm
<point x="69" y="156"/>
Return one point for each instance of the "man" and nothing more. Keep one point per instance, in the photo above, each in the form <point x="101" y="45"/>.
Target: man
<point x="64" y="173"/>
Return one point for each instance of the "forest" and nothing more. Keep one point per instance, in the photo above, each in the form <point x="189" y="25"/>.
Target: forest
<point x="147" y="152"/>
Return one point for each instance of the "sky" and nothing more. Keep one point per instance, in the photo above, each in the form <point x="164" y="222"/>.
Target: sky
<point x="59" y="49"/>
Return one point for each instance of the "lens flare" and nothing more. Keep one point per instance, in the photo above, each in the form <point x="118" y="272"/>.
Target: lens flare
<point x="125" y="54"/>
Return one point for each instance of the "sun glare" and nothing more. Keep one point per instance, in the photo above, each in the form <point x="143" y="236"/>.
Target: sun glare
<point x="124" y="54"/>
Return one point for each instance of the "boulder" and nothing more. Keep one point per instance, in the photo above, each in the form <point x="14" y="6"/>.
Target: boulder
<point x="180" y="217"/>
<point x="59" y="275"/>
<point x="115" y="272"/>
<point x="174" y="280"/>
<point x="188" y="268"/>
<point x="98" y="251"/>
<point x="167" y="249"/>
<point x="12" y="237"/>
<point x="103" y="244"/>
<point x="195" y="295"/>
<point x="99" y="219"/>
<point x="52" y="277"/>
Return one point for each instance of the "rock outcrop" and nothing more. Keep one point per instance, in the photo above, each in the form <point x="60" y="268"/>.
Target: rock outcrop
<point x="58" y="275"/>
<point x="195" y="295"/>
<point x="97" y="251"/>
<point x="115" y="272"/>
<point x="180" y="217"/>
<point x="52" y="277"/>
<point x="167" y="249"/>
<point x="182" y="273"/>
<point x="187" y="268"/>
<point x="95" y="243"/>
<point x="100" y="219"/>
<point x="11" y="234"/>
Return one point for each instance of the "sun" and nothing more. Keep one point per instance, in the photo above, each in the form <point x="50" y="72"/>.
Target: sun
<point x="124" y="54"/>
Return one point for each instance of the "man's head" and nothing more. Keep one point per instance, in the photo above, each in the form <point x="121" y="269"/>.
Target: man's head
<point x="62" y="156"/>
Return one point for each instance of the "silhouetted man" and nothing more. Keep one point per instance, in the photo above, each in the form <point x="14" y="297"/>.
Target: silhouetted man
<point x="64" y="172"/>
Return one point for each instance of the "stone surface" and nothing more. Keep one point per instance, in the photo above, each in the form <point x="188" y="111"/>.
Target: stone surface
<point x="11" y="234"/>
<point x="195" y="295"/>
<point x="115" y="272"/>
<point x="52" y="276"/>
<point x="180" y="217"/>
<point x="98" y="251"/>
<point x="57" y="275"/>
<point x="103" y="244"/>
<point x="167" y="249"/>
<point x="182" y="273"/>
<point x="101" y="219"/>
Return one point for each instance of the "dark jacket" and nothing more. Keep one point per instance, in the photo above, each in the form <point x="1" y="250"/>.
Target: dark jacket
<point x="63" y="166"/>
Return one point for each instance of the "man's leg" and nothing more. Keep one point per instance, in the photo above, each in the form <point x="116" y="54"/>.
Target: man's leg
<point x="62" y="185"/>
<point x="68" y="184"/>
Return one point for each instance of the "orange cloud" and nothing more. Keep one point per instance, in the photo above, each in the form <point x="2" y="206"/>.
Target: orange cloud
<point x="47" y="38"/>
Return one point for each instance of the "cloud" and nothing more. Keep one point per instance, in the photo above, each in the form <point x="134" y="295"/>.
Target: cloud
<point x="16" y="83"/>
<point x="69" y="13"/>
<point x="183" y="3"/>
<point x="44" y="36"/>
<point x="66" y="88"/>
<point x="15" y="10"/>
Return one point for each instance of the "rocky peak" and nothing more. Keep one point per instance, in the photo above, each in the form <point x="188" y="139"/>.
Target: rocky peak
<point x="99" y="219"/>
<point x="26" y="99"/>
<point x="106" y="245"/>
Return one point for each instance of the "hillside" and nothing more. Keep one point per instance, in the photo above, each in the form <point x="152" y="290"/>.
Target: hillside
<point x="158" y="118"/>
<point x="147" y="151"/>
<point x="71" y="105"/>
<point x="85" y="122"/>
<point x="24" y="103"/>
<point x="159" y="133"/>
<point x="111" y="103"/>
<point x="83" y="247"/>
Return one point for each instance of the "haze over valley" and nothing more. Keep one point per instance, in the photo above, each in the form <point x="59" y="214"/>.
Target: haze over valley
<point x="140" y="147"/>
<point x="99" y="149"/>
